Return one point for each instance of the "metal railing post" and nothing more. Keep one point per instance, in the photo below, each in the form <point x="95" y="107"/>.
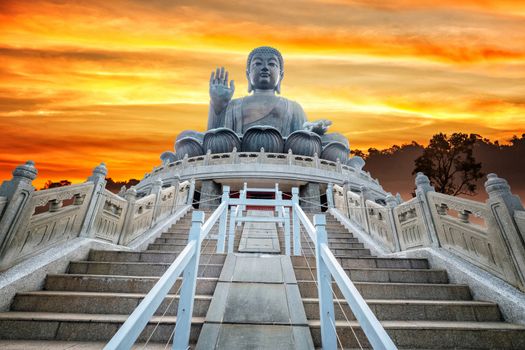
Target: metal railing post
<point x="279" y="209"/>
<point x="223" y="221"/>
<point x="231" y="235"/>
<point x="287" y="231"/>
<point x="189" y="282"/>
<point x="296" y="228"/>
<point x="324" y="286"/>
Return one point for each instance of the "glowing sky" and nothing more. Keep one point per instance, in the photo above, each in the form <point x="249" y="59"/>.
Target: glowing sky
<point x="88" y="81"/>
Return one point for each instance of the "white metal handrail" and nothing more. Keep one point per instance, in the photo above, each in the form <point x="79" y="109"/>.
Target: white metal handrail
<point x="187" y="262"/>
<point x="328" y="266"/>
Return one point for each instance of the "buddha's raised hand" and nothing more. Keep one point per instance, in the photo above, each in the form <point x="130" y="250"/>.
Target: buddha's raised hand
<point x="220" y="92"/>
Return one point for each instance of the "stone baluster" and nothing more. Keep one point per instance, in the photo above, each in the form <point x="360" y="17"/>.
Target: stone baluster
<point x="207" y="157"/>
<point x="18" y="192"/>
<point x="346" y="188"/>
<point x="364" y="195"/>
<point x="289" y="157"/>
<point x="391" y="203"/>
<point x="234" y="156"/>
<point x="317" y="163"/>
<point x="131" y="197"/>
<point x="261" y="157"/>
<point x="422" y="188"/>
<point x="503" y="204"/>
<point x="156" y="190"/>
<point x="99" y="180"/>
<point x="175" y="184"/>
<point x="338" y="166"/>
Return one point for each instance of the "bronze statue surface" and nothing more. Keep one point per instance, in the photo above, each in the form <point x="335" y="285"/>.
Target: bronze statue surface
<point x="266" y="118"/>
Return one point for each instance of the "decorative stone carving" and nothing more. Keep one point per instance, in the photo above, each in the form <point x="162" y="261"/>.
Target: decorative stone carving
<point x="266" y="137"/>
<point x="221" y="140"/>
<point x="188" y="145"/>
<point x="356" y="162"/>
<point x="335" y="150"/>
<point x="26" y="170"/>
<point x="168" y="157"/>
<point x="303" y="143"/>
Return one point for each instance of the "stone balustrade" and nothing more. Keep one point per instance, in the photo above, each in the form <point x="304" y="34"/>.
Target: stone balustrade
<point x="269" y="165"/>
<point x="489" y="235"/>
<point x="33" y="221"/>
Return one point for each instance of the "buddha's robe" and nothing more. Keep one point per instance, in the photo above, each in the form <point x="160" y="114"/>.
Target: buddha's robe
<point x="285" y="115"/>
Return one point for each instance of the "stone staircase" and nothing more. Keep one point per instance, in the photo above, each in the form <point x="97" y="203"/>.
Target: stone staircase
<point x="92" y="300"/>
<point x="417" y="305"/>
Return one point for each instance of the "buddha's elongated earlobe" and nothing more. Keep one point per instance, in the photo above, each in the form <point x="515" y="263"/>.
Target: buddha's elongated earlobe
<point x="278" y="87"/>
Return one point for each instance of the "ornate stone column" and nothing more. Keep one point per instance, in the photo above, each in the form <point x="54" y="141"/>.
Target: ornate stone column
<point x="503" y="204"/>
<point x="18" y="192"/>
<point x="99" y="180"/>
<point x="391" y="203"/>
<point x="422" y="188"/>
<point x="155" y="189"/>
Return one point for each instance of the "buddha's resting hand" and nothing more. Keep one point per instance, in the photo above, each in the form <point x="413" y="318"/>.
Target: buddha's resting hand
<point x="220" y="93"/>
<point x="319" y="126"/>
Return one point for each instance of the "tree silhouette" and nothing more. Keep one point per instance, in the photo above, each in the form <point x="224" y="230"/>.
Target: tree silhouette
<point x="450" y="165"/>
<point x="50" y="184"/>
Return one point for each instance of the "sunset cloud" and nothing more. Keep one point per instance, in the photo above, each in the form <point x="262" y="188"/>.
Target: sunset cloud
<point x="90" y="81"/>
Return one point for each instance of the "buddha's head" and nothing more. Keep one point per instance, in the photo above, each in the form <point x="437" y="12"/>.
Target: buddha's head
<point x="265" y="69"/>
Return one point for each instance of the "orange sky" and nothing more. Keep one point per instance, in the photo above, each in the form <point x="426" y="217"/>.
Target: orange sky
<point x="115" y="81"/>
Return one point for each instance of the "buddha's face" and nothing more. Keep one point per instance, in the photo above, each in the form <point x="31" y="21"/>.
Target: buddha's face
<point x="264" y="71"/>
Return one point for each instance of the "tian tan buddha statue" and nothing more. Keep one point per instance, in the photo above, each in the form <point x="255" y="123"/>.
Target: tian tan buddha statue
<point x="262" y="119"/>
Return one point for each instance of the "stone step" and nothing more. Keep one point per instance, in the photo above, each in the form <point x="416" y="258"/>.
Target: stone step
<point x="134" y="268"/>
<point x="414" y="310"/>
<point x="84" y="327"/>
<point x="414" y="291"/>
<point x="70" y="345"/>
<point x="309" y="250"/>
<point x="181" y="241"/>
<point x="368" y="262"/>
<point x="154" y="256"/>
<point x="118" y="284"/>
<point x="331" y="244"/>
<point x="207" y="247"/>
<point x="382" y="275"/>
<point x="433" y="334"/>
<point x="99" y="303"/>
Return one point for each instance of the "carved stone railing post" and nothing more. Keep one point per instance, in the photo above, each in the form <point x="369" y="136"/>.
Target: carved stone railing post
<point x="191" y="192"/>
<point x="207" y="157"/>
<point x="330" y="195"/>
<point x="346" y="188"/>
<point x="156" y="189"/>
<point x="503" y="204"/>
<point x="338" y="166"/>
<point x="18" y="192"/>
<point x="422" y="188"/>
<point x="317" y="163"/>
<point x="99" y="180"/>
<point x="131" y="197"/>
<point x="289" y="157"/>
<point x="363" y="197"/>
<point x="391" y="203"/>
<point x="262" y="156"/>
<point x="175" y="184"/>
<point x="234" y="156"/>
